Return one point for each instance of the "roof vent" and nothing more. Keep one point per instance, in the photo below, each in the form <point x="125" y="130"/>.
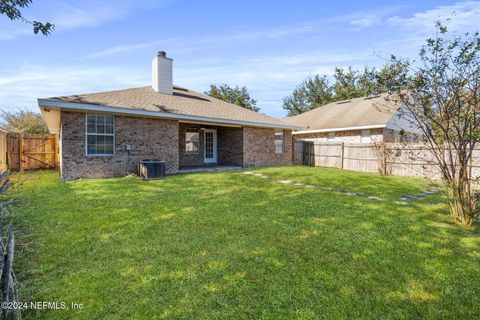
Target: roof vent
<point x="373" y="96"/>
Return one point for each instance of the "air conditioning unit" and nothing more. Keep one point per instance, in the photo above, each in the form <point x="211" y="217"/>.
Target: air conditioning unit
<point x="151" y="169"/>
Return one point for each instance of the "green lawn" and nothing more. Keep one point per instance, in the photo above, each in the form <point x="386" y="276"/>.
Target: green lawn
<point x="234" y="246"/>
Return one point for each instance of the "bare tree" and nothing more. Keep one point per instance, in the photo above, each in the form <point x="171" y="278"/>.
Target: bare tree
<point x="23" y="121"/>
<point x="441" y="96"/>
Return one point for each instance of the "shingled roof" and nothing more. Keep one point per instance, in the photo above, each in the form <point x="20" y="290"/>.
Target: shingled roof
<point x="363" y="112"/>
<point x="182" y="104"/>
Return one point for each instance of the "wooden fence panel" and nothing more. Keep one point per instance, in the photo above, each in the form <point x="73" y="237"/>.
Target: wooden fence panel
<point x="361" y="157"/>
<point x="31" y="151"/>
<point x="398" y="159"/>
<point x="328" y="154"/>
<point x="13" y="151"/>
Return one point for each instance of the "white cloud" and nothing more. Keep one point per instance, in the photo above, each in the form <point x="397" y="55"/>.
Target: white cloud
<point x="464" y="16"/>
<point x="368" y="21"/>
<point x="330" y="25"/>
<point x="209" y="41"/>
<point x="85" y="13"/>
<point x="26" y="83"/>
<point x="372" y="18"/>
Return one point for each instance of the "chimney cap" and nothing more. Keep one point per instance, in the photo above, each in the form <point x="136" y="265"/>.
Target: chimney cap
<point x="162" y="54"/>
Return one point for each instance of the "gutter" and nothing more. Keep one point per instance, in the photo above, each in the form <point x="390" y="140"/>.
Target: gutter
<point x="73" y="106"/>
<point x="380" y="126"/>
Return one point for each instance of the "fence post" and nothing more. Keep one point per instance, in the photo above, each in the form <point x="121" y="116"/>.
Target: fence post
<point x="384" y="158"/>
<point x="9" y="151"/>
<point x="342" y="147"/>
<point x="20" y="152"/>
<point x="53" y="147"/>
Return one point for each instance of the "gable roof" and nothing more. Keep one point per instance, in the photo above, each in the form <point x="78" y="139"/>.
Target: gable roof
<point x="183" y="104"/>
<point x="365" y="112"/>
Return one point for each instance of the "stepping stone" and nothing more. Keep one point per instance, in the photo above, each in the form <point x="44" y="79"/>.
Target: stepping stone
<point x="265" y="177"/>
<point x="286" y="181"/>
<point x="374" y="198"/>
<point x="309" y="186"/>
<point x="247" y="172"/>
<point x="349" y="193"/>
<point x="298" y="184"/>
<point x="403" y="203"/>
<point x="430" y="192"/>
<point x="258" y="174"/>
<point x="408" y="198"/>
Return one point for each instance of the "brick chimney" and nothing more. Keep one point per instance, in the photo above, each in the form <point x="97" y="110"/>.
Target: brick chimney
<point x="162" y="79"/>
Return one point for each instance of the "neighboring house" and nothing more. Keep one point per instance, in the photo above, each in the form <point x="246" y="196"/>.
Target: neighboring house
<point x="360" y="120"/>
<point x="106" y="134"/>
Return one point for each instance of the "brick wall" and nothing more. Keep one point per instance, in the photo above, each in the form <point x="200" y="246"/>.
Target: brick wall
<point x="259" y="147"/>
<point x="149" y="138"/>
<point x="230" y="146"/>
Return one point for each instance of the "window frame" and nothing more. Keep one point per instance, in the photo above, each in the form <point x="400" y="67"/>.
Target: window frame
<point x="366" y="136"/>
<point x="197" y="130"/>
<point x="279" y="132"/>
<point x="87" y="134"/>
<point x="331" y="136"/>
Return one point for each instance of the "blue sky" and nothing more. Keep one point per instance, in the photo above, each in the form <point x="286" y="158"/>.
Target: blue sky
<point x="268" y="46"/>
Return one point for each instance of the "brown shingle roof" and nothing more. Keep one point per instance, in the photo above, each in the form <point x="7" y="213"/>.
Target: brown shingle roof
<point x="359" y="112"/>
<point x="182" y="102"/>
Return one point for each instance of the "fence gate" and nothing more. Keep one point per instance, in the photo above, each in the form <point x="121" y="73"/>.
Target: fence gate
<point x="31" y="151"/>
<point x="308" y="153"/>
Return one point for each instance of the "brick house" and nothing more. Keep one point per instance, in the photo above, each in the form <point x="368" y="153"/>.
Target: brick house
<point x="106" y="134"/>
<point x="361" y="120"/>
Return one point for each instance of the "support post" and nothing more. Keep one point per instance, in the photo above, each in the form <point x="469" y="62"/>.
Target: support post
<point x="20" y="152"/>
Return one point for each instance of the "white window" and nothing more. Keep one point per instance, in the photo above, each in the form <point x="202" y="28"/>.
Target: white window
<point x="331" y="136"/>
<point x="100" y="135"/>
<point x="192" y="138"/>
<point x="366" y="136"/>
<point x="279" y="142"/>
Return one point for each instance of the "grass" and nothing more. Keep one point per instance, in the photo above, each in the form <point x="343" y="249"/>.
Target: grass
<point x="233" y="246"/>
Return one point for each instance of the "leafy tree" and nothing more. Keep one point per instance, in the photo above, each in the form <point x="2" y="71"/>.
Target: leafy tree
<point x="12" y="9"/>
<point x="23" y="121"/>
<point x="392" y="75"/>
<point x="442" y="98"/>
<point x="235" y="95"/>
<point x="348" y="84"/>
<point x="310" y="94"/>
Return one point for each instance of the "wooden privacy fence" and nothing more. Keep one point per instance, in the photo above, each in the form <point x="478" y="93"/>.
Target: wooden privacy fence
<point x="399" y="159"/>
<point x="31" y="151"/>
